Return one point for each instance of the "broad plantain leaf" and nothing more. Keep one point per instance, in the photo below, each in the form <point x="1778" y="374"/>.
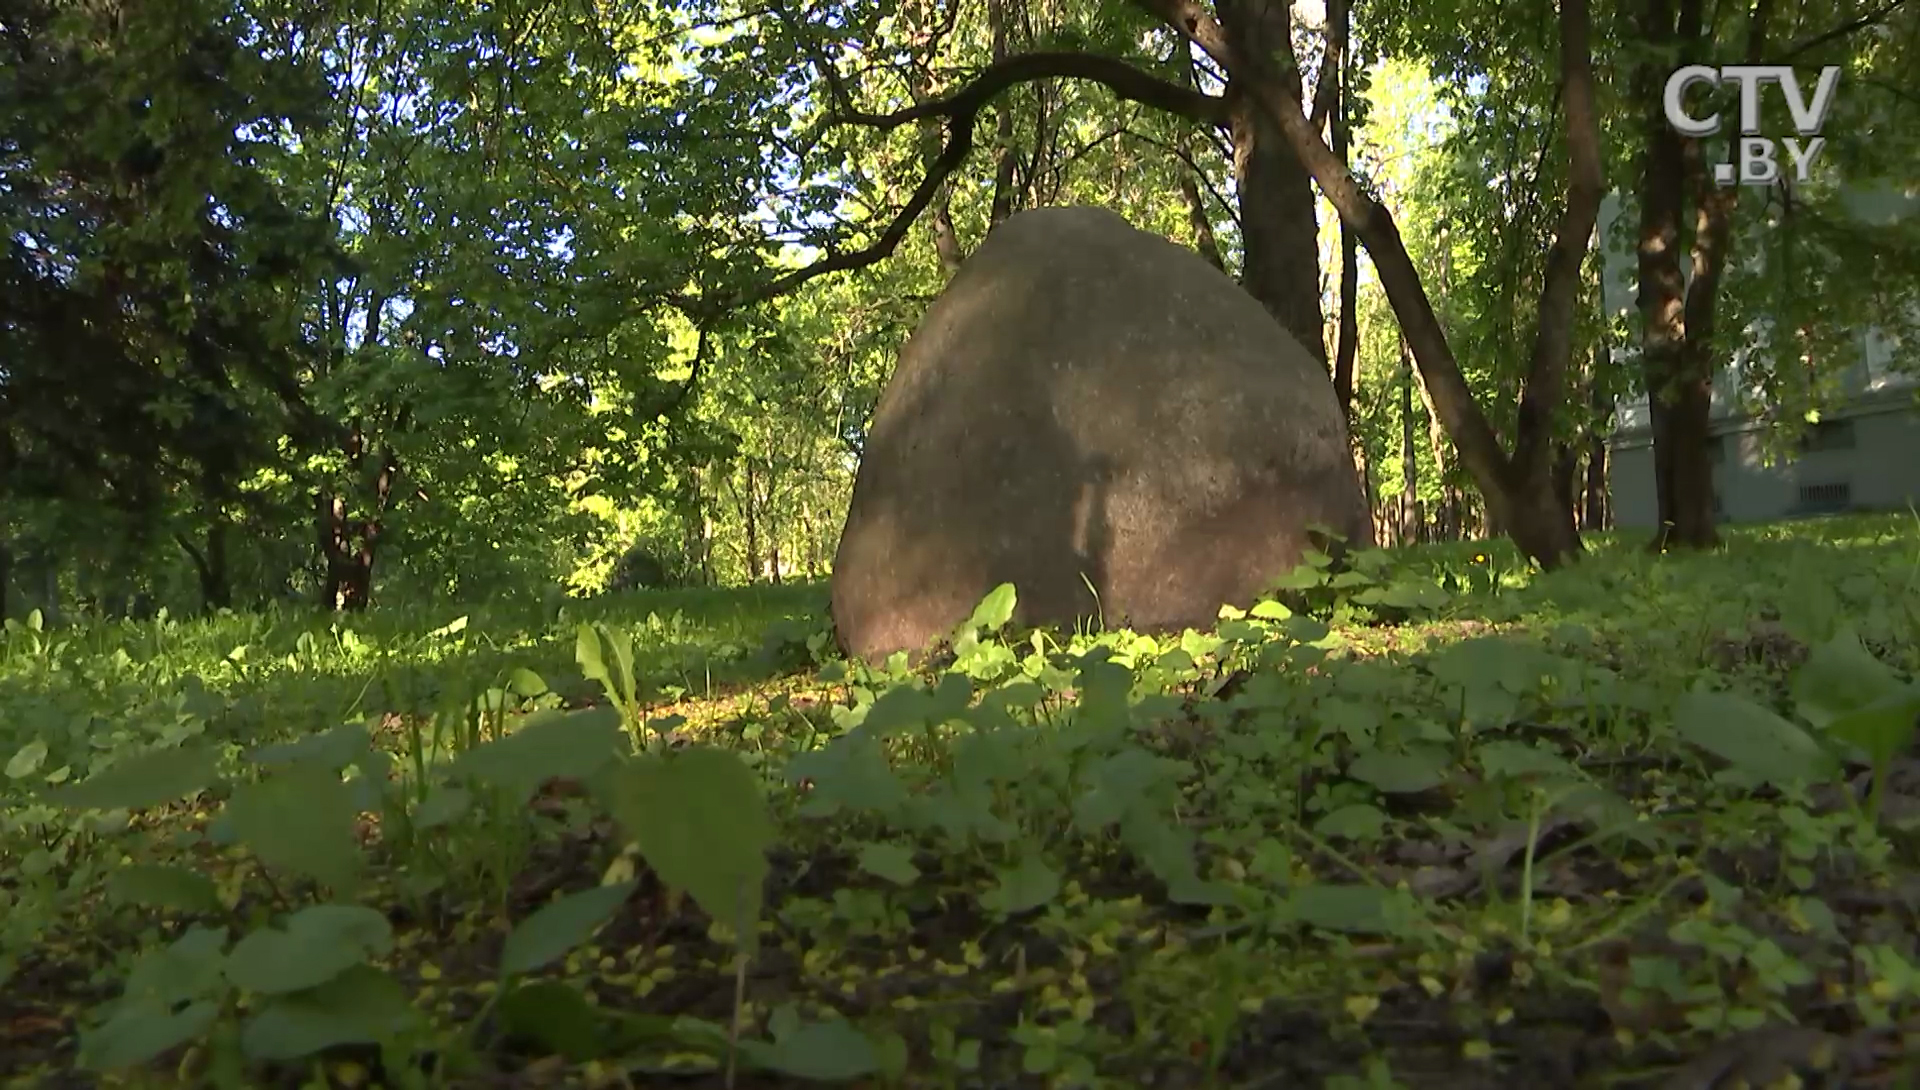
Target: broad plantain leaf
<point x="702" y="825"/>
<point x="145" y="779"/>
<point x="361" y="1006"/>
<point x="320" y="942"/>
<point x="556" y="1016"/>
<point x="557" y="928"/>
<point x="1753" y="739"/>
<point x="156" y="885"/>
<point x="1416" y="769"/>
<point x="300" y="820"/>
<point x="994" y="611"/>
<point x="140" y="1032"/>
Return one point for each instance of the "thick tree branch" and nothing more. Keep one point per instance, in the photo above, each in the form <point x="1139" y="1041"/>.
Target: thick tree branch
<point x="962" y="111"/>
<point x="1122" y="78"/>
<point x="1561" y="283"/>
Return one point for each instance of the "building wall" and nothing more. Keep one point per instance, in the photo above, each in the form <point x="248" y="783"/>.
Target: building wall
<point x="1869" y="461"/>
<point x="1866" y="458"/>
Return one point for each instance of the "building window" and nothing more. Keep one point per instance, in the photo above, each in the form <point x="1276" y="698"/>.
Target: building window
<point x="1828" y="435"/>
<point x="1832" y="496"/>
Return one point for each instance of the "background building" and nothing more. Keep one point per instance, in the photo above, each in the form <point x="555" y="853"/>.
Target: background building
<point x="1863" y="455"/>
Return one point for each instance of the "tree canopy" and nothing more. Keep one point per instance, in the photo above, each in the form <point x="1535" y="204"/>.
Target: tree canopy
<point x="305" y="299"/>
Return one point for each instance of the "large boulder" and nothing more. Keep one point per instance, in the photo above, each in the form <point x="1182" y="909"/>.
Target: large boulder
<point x="1088" y="405"/>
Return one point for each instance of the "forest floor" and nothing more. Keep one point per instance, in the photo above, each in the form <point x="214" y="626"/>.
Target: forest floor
<point x="1433" y="821"/>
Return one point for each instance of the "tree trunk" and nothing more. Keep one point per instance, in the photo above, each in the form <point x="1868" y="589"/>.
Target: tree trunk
<point x="1447" y="514"/>
<point x="348" y="546"/>
<point x="1004" y="159"/>
<point x="1517" y="488"/>
<point x="1600" y="423"/>
<point x="926" y="33"/>
<point x="50" y="588"/>
<point x="750" y="517"/>
<point x="1197" y="218"/>
<point x="1672" y="408"/>
<point x="1280" y="231"/>
<point x="1678" y="316"/>
<point x="1409" y="462"/>
<point x="1347" y="343"/>
<point x="1594" y="514"/>
<point x="210" y="567"/>
<point x="210" y="561"/>
<point x="1566" y="470"/>
<point x="1368" y="488"/>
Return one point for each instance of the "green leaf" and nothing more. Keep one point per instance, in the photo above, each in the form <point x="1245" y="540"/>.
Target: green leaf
<point x="1306" y="630"/>
<point x="994" y="611"/>
<point x="1516" y="759"/>
<point x="1300" y="578"/>
<point x="1357" y="821"/>
<point x="442" y="806"/>
<point x="1882" y="729"/>
<point x="302" y="821"/>
<point x="620" y="642"/>
<point x="1841" y="676"/>
<point x="1753" y="739"/>
<point x="703" y="826"/>
<point x="138" y="1033"/>
<point x="335" y="749"/>
<point x="190" y="967"/>
<point x="147" y="779"/>
<point x="557" y="928"/>
<point x="851" y="771"/>
<point x="556" y="1016"/>
<point x="1024" y="887"/>
<point x="320" y="943"/>
<point x="1350" y="908"/>
<point x="889" y="861"/>
<point x="1416" y="769"/>
<point x="829" y="1051"/>
<point x="524" y="683"/>
<point x="361" y="1006"/>
<point x="1270" y="610"/>
<point x="27" y="760"/>
<point x="587" y="653"/>
<point x="548" y="744"/>
<point x="154" y="885"/>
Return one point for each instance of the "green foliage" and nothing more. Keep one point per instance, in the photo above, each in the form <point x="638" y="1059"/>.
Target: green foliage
<point x="559" y="927"/>
<point x="1853" y="702"/>
<point x="701" y="824"/>
<point x="1218" y="823"/>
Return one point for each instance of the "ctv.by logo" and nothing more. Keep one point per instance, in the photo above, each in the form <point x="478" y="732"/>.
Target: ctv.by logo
<point x="1755" y="158"/>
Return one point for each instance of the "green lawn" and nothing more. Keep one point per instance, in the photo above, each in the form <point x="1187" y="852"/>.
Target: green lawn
<point x="1435" y="821"/>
